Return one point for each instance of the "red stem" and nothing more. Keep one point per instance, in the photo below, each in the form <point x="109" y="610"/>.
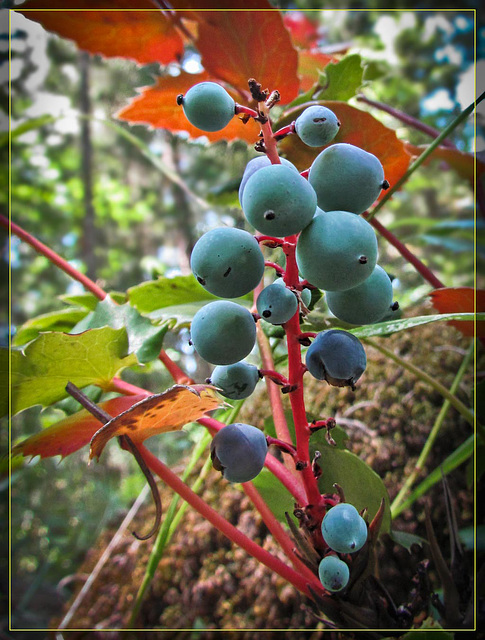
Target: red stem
<point x="407" y="254"/>
<point x="296" y="369"/>
<point x="240" y="108"/>
<point x="53" y="257"/>
<point x="234" y="534"/>
<point x="179" y="376"/>
<point x="279" y="418"/>
<point x="279" y="533"/>
<point x="274" y="376"/>
<point x="276" y="267"/>
<point x="407" y="119"/>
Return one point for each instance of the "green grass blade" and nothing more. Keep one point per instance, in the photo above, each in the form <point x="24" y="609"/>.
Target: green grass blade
<point x="454" y="460"/>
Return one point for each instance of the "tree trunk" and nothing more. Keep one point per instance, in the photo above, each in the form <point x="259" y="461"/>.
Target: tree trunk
<point x="89" y="230"/>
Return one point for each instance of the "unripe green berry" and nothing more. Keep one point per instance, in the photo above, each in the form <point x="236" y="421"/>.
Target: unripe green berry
<point x="223" y="332"/>
<point x="333" y="573"/>
<point x="235" y="381"/>
<point x="365" y="304"/>
<point x="208" y="106"/>
<point x="227" y="262"/>
<point x="316" y="126"/>
<point x="337" y="250"/>
<point x="346" y="177"/>
<point x="276" y="304"/>
<point x="278" y="201"/>
<point x="258" y="163"/>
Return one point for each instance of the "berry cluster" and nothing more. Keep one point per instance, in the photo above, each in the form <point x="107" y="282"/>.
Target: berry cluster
<point x="333" y="249"/>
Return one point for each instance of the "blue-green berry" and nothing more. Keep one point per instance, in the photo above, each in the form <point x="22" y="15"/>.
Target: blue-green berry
<point x="227" y="262"/>
<point x="367" y="303"/>
<point x="223" y="332"/>
<point x="258" y="163"/>
<point x="333" y="573"/>
<point x="277" y="304"/>
<point x="316" y="126"/>
<point x="305" y="294"/>
<point x="278" y="201"/>
<point x="239" y="452"/>
<point x="336" y="356"/>
<point x="337" y="250"/>
<point x="346" y="177"/>
<point x="235" y="381"/>
<point x="208" y="106"/>
<point x="344" y="529"/>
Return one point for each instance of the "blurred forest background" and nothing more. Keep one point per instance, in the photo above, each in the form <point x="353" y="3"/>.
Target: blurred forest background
<point x="85" y="188"/>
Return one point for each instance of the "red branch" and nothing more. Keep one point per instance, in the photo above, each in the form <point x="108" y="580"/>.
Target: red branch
<point x="407" y="119"/>
<point x="54" y="258"/>
<point x="279" y="534"/>
<point x="407" y="254"/>
<point x="296" y="369"/>
<point x="234" y="534"/>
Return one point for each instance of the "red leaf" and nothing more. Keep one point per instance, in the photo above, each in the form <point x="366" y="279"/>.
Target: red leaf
<point x="310" y="62"/>
<point x="157" y="106"/>
<point x="304" y="32"/>
<point x="236" y="45"/>
<point x="460" y="300"/>
<point x="358" y="128"/>
<point x="71" y="433"/>
<point x="144" y="36"/>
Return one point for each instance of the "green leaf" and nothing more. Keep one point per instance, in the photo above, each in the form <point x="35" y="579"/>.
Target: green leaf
<point x="40" y="372"/>
<point x="393" y="326"/>
<point x="89" y="300"/>
<point x="167" y="292"/>
<point x="361" y="485"/>
<point x="406" y="539"/>
<point x="28" y="125"/>
<point x="276" y="496"/>
<point x="341" y="79"/>
<point x="144" y="338"/>
<point x="62" y="321"/>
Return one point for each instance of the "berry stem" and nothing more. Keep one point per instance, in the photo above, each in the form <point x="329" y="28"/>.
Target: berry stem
<point x="276" y="377"/>
<point x="240" y="108"/>
<point x="296" y="369"/>
<point x="284" y="131"/>
<point x="231" y="532"/>
<point x="276" y="267"/>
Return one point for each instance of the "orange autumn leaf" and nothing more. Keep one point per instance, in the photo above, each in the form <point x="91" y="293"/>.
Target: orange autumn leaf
<point x="157" y="106"/>
<point x="161" y="413"/>
<point x="358" y="128"/>
<point x="304" y="31"/>
<point x="238" y="45"/>
<point x="460" y="300"/>
<point x="71" y="433"/>
<point x="127" y="32"/>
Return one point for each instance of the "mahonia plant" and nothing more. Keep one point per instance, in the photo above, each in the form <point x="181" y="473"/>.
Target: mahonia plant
<point x="314" y="219"/>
